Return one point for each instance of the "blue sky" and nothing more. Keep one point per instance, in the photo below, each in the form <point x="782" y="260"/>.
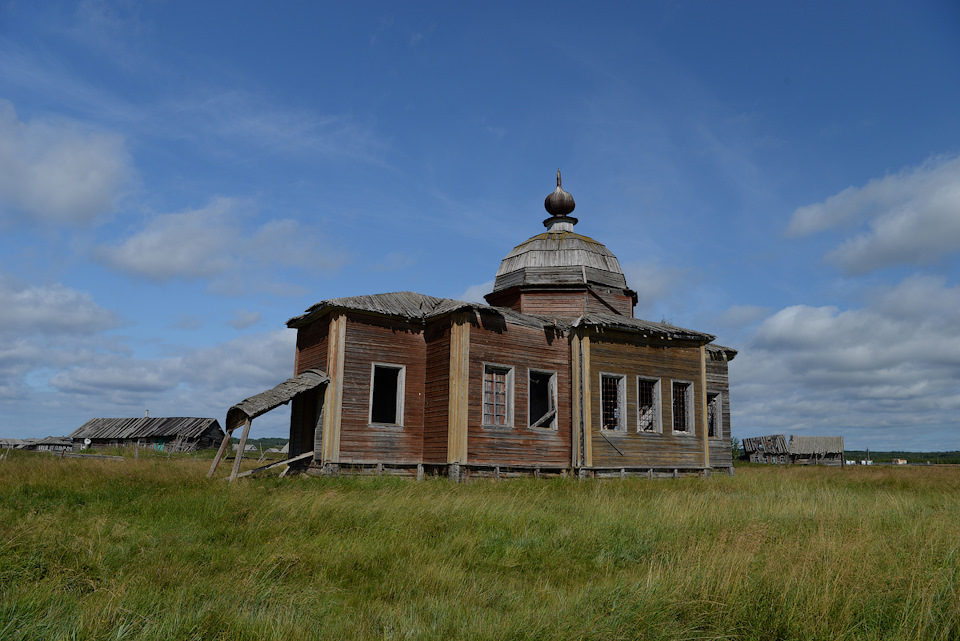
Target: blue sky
<point x="178" y="179"/>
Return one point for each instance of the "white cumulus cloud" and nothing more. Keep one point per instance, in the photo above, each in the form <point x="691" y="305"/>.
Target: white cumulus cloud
<point x="892" y="366"/>
<point x="218" y="241"/>
<point x="55" y="171"/>
<point x="911" y="218"/>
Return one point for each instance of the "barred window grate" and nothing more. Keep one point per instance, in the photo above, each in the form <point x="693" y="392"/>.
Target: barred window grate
<point x="611" y="402"/>
<point x="681" y="418"/>
<point x="646" y="405"/>
<point x="495" y="394"/>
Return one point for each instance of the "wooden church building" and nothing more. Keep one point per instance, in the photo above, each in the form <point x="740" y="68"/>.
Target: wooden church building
<point x="553" y="376"/>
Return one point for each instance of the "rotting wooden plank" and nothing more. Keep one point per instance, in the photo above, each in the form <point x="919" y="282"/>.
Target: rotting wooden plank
<point x="240" y="449"/>
<point x="276" y="464"/>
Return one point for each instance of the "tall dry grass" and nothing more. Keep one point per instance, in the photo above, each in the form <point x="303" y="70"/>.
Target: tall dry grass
<point x="150" y="549"/>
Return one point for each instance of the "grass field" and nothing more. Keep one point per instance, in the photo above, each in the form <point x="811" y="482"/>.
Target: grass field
<point x="150" y="549"/>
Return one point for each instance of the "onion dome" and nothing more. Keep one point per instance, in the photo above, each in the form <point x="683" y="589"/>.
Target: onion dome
<point x="559" y="204"/>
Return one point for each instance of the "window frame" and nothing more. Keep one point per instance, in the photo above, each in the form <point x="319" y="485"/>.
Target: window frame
<point x="508" y="370"/>
<point x="657" y="405"/>
<point x="401" y="393"/>
<point x="690" y="409"/>
<point x="553" y="425"/>
<point x="621" y="403"/>
<point x="715" y="406"/>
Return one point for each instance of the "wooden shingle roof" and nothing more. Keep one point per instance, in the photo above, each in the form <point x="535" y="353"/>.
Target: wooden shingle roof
<point x="280" y="395"/>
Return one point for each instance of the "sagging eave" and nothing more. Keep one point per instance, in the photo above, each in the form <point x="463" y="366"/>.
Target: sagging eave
<point x="245" y="411"/>
<point x="512" y="317"/>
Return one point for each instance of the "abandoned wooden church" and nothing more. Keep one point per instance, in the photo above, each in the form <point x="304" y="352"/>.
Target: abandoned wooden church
<point x="553" y="376"/>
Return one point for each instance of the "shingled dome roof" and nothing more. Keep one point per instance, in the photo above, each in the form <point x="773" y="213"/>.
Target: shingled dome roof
<point x="559" y="256"/>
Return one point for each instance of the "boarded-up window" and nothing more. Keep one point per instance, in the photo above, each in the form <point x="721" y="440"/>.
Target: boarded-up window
<point x="497" y="395"/>
<point x="648" y="405"/>
<point x="714" y="415"/>
<point x="386" y="394"/>
<point x="612" y="402"/>
<point x="542" y="392"/>
<point x="682" y="407"/>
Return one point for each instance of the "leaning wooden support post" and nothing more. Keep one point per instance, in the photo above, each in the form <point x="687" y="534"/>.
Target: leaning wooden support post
<point x="220" y="452"/>
<point x="241" y="448"/>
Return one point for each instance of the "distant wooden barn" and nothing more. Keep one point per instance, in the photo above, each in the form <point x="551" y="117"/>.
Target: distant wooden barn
<point x="800" y="450"/>
<point x="553" y="376"/>
<point x="163" y="433"/>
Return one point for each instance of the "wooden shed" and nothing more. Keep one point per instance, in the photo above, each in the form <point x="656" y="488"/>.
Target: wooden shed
<point x="553" y="376"/>
<point x="799" y="450"/>
<point x="180" y="434"/>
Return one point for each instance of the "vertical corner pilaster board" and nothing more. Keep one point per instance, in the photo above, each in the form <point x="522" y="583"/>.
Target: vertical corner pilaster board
<point x="220" y="452"/>
<point x="241" y="448"/>
<point x="587" y="377"/>
<point x="457" y="409"/>
<point x="333" y="398"/>
<point x="705" y="438"/>
<point x="576" y="383"/>
<point x="318" y="424"/>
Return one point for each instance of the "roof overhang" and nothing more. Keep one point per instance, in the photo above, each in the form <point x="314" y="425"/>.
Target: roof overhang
<point x="282" y="394"/>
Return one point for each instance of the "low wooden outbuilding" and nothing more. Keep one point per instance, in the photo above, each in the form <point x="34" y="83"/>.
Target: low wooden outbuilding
<point x="799" y="450"/>
<point x="180" y="434"/>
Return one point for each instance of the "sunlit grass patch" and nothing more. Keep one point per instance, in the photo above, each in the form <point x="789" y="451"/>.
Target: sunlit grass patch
<point x="149" y="548"/>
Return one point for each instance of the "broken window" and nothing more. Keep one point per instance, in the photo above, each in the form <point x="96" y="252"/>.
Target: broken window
<point x="542" y="396"/>
<point x="714" y="415"/>
<point x="612" y="402"/>
<point x="497" y="396"/>
<point x="683" y="407"/>
<point x="386" y="394"/>
<point x="648" y="405"/>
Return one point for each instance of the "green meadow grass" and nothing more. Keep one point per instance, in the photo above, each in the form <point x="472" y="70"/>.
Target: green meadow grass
<point x="151" y="549"/>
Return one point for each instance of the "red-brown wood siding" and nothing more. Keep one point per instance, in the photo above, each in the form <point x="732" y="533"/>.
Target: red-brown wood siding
<point x="608" y="302"/>
<point x="632" y="356"/>
<point x="374" y="340"/>
<point x="567" y="303"/>
<point x="312" y="346"/>
<point x="436" y="392"/>
<point x="521" y="348"/>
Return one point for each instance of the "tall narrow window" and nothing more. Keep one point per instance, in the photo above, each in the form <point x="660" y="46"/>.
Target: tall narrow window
<point x="682" y="407"/>
<point x="542" y="393"/>
<point x="648" y="405"/>
<point x="612" y="402"/>
<point x="497" y="396"/>
<point x="714" y="415"/>
<point x="386" y="394"/>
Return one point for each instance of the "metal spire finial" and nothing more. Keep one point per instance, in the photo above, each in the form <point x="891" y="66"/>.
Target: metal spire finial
<point x="558" y="177"/>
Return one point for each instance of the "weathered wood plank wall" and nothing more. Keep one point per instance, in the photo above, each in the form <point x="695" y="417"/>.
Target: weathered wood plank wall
<point x="718" y="381"/>
<point x="372" y="340"/>
<point x="436" y="392"/>
<point x="630" y="355"/>
<point x="312" y="347"/>
<point x="521" y="348"/>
